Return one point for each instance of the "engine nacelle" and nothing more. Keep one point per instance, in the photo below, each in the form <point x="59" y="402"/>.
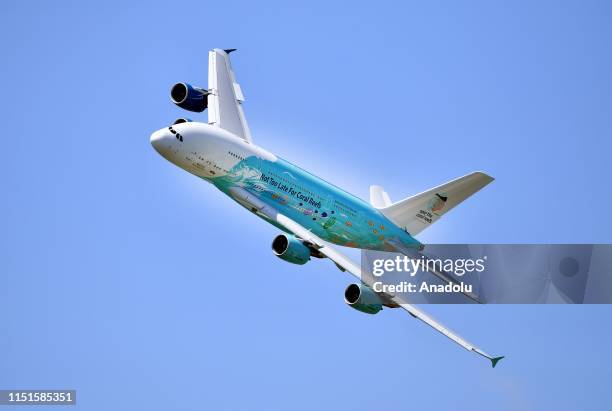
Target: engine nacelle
<point x="181" y="121"/>
<point x="362" y="298"/>
<point x="189" y="98"/>
<point x="290" y="249"/>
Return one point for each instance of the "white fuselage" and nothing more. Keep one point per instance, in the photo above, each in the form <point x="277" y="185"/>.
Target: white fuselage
<point x="204" y="150"/>
<point x="258" y="180"/>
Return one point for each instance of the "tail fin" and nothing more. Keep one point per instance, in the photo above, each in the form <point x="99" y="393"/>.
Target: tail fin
<point x="418" y="212"/>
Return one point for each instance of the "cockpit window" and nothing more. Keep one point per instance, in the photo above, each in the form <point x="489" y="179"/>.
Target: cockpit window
<point x="177" y="135"/>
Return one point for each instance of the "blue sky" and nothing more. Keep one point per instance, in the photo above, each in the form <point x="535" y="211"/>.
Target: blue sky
<point x="142" y="287"/>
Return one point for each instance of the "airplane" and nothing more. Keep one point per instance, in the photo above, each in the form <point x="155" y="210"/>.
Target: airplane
<point x="311" y="212"/>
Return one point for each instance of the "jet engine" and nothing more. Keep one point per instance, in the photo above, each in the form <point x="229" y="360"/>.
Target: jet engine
<point x="181" y="120"/>
<point x="290" y="249"/>
<point x="189" y="98"/>
<point x="362" y="298"/>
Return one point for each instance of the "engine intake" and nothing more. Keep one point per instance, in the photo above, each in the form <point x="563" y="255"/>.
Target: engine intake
<point x="189" y="98"/>
<point x="290" y="249"/>
<point x="362" y="298"/>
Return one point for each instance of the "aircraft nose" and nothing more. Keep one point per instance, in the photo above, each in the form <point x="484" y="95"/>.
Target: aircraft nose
<point x="160" y="140"/>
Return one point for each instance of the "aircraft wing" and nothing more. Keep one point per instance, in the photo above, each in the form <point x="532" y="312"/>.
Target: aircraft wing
<point x="347" y="264"/>
<point x="225" y="98"/>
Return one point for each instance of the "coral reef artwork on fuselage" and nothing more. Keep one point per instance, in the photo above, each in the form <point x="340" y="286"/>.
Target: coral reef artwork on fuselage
<point x="329" y="212"/>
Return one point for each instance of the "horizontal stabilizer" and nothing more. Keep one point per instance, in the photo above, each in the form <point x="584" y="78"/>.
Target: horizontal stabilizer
<point x="379" y="197"/>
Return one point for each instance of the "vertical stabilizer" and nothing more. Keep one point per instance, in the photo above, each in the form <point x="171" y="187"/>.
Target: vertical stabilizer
<point x="418" y="212"/>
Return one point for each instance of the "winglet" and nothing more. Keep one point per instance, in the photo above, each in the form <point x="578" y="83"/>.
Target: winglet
<point x="495" y="360"/>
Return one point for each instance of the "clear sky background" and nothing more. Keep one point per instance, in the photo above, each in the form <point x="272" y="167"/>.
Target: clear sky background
<point x="143" y="287"/>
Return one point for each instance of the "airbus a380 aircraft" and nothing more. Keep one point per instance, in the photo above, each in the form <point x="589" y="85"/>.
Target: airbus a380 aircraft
<point x="309" y="210"/>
